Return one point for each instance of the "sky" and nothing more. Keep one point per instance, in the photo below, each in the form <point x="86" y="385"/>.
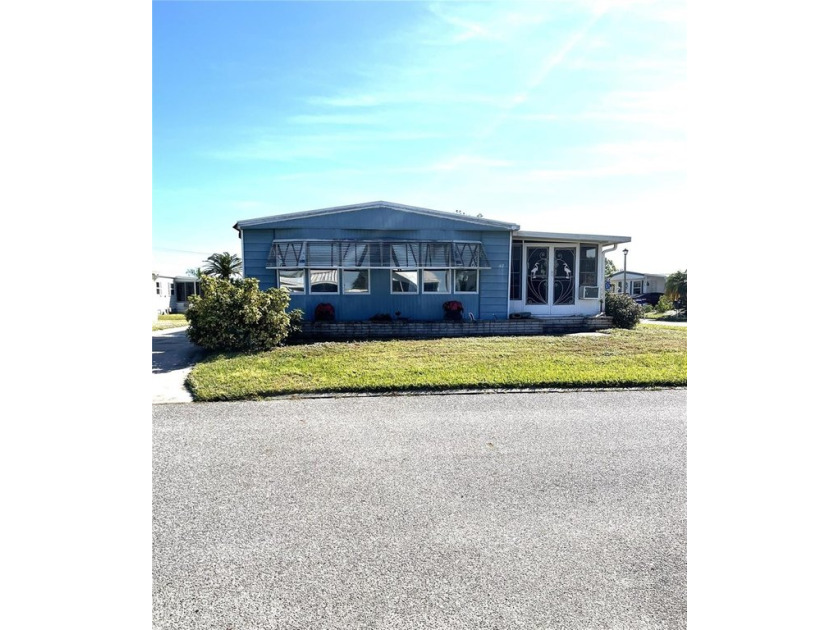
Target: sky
<point x="560" y="116"/>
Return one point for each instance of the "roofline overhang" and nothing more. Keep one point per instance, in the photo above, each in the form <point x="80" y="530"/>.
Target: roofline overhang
<point x="639" y="273"/>
<point x="491" y="223"/>
<point x="601" y="239"/>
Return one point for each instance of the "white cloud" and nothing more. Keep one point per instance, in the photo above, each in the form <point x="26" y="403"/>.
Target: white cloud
<point x="665" y="107"/>
<point x="618" y="159"/>
<point x="332" y="119"/>
<point x="399" y="97"/>
<point x="461" y="162"/>
<point x="488" y="21"/>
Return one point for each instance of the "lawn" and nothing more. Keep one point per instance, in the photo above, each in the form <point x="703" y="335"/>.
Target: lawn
<point x="648" y="356"/>
<point x="667" y="316"/>
<point x="176" y="320"/>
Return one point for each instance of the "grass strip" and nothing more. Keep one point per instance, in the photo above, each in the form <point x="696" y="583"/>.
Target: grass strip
<point x="174" y="320"/>
<point x="647" y="356"/>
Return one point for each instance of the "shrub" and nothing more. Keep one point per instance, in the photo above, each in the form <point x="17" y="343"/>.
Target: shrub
<point x="624" y="311"/>
<point x="664" y="304"/>
<point x="236" y="315"/>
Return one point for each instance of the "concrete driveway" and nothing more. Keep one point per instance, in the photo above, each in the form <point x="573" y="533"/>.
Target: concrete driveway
<point x="544" y="510"/>
<point x="172" y="359"/>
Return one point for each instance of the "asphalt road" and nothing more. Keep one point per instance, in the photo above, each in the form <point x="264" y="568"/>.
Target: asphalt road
<point x="549" y="510"/>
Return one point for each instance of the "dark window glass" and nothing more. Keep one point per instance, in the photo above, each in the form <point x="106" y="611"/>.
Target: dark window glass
<point x="588" y="265"/>
<point x="537" y="283"/>
<point x="323" y="280"/>
<point x="564" y="275"/>
<point x="356" y="280"/>
<point x="516" y="272"/>
<point x="466" y="281"/>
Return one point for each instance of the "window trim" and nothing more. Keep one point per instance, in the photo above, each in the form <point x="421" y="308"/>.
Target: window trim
<point x="391" y="281"/>
<point x="321" y="270"/>
<point x="303" y="291"/>
<point x="359" y="269"/>
<point x="449" y="281"/>
<point x="477" y="282"/>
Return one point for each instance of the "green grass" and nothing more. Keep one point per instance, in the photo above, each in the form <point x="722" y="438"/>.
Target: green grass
<point x="668" y="316"/>
<point x="170" y="321"/>
<point x="647" y="356"/>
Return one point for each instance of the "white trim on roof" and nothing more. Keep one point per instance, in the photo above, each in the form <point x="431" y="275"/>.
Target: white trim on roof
<point x="602" y="239"/>
<point x="371" y="205"/>
<point x="639" y="273"/>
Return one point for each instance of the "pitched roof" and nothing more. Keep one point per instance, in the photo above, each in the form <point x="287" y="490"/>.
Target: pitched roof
<point x="454" y="216"/>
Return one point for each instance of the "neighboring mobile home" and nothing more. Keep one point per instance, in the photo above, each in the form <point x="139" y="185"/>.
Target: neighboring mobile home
<point x="171" y="293"/>
<point x="164" y="294"/>
<point x="637" y="284"/>
<point x="404" y="261"/>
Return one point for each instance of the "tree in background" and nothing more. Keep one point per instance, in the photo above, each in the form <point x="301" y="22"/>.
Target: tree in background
<point x="195" y="272"/>
<point x="609" y="268"/>
<point x="676" y="288"/>
<point x="224" y="266"/>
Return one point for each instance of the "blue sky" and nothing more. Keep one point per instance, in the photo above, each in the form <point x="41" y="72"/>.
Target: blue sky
<point x="560" y="116"/>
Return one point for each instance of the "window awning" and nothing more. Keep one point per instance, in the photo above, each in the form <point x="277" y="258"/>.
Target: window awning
<point x="350" y="254"/>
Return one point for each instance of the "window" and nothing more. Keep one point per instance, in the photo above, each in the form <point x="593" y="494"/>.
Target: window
<point x="516" y="272"/>
<point x="588" y="272"/>
<point x="637" y="287"/>
<point x="185" y="289"/>
<point x="436" y="281"/>
<point x="171" y="288"/>
<point x="292" y="279"/>
<point x="403" y="281"/>
<point x="355" y="281"/>
<point x="323" y="280"/>
<point x="589" y="265"/>
<point x="466" y="281"/>
<point x="157" y="287"/>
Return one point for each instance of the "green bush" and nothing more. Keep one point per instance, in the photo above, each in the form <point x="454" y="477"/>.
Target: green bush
<point x="664" y="304"/>
<point x="236" y="315"/>
<point x="624" y="311"/>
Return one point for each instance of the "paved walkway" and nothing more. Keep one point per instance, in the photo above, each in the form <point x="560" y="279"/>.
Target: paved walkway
<point x="173" y="356"/>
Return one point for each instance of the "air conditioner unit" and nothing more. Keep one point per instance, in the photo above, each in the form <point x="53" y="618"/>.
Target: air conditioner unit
<point x="590" y="293"/>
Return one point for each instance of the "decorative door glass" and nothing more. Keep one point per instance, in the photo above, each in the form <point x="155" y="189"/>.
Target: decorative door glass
<point x="537" y="275"/>
<point x="564" y="275"/>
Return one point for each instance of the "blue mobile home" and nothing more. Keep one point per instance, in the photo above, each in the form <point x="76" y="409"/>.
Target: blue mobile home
<point x="388" y="258"/>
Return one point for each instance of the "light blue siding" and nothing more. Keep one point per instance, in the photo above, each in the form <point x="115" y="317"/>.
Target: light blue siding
<point x="380" y="219"/>
<point x="387" y="224"/>
<point x="255" y="247"/>
<point x="494" y="282"/>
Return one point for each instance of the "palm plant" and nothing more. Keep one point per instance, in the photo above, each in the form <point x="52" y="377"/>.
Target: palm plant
<point x="676" y="288"/>
<point x="224" y="266"/>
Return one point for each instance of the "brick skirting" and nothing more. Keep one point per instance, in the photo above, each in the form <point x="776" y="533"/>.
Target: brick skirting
<point x="312" y="331"/>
